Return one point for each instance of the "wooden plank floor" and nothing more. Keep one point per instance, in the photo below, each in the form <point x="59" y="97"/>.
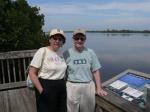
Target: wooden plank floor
<point x="4" y="101"/>
<point x="17" y="100"/>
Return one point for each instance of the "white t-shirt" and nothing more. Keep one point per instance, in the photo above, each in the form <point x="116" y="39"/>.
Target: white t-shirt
<point x="53" y="66"/>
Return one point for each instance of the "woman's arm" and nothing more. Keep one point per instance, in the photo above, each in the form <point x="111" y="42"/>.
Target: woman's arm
<point x="98" y="84"/>
<point x="33" y="73"/>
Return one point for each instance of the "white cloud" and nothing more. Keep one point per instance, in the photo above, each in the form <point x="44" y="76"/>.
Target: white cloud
<point x="97" y="15"/>
<point x="76" y="8"/>
<point x="130" y="20"/>
<point x="60" y="9"/>
<point x="123" y="6"/>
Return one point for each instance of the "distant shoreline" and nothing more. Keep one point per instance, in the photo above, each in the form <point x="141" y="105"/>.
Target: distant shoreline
<point x="117" y="31"/>
<point x="112" y="31"/>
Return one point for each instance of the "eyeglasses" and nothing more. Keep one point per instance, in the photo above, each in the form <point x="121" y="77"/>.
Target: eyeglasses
<point x="79" y="38"/>
<point x="56" y="38"/>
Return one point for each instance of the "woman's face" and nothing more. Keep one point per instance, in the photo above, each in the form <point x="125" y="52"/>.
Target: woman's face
<point x="79" y="40"/>
<point x="56" y="41"/>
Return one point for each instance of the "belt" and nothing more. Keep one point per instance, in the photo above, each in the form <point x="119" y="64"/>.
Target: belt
<point x="78" y="82"/>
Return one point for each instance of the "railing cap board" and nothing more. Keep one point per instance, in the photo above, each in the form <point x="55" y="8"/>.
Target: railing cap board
<point x="13" y="85"/>
<point x="119" y="103"/>
<point x="17" y="54"/>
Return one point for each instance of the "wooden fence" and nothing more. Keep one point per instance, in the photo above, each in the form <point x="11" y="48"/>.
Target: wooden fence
<point x="13" y="65"/>
<point x="14" y="95"/>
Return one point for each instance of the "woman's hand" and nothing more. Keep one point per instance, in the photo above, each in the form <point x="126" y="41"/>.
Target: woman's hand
<point x="33" y="72"/>
<point x="41" y="90"/>
<point x="101" y="92"/>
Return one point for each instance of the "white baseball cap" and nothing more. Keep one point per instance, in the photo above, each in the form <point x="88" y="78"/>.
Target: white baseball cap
<point x="81" y="31"/>
<point x="56" y="31"/>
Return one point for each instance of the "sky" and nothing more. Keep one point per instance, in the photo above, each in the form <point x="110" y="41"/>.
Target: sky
<point x="94" y="14"/>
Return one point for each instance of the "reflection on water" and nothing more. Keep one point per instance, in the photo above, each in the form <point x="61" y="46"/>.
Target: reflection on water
<point x="118" y="52"/>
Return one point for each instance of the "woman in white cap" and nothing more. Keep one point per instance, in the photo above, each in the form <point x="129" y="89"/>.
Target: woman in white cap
<point x="83" y="65"/>
<point x="47" y="71"/>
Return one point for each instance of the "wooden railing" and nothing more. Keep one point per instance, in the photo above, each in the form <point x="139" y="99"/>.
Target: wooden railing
<point x="13" y="65"/>
<point x="14" y="95"/>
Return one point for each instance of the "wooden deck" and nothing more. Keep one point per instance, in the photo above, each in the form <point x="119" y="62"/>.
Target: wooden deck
<point x="16" y="97"/>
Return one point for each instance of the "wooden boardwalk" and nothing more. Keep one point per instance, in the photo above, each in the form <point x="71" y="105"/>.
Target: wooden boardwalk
<point x="16" y="97"/>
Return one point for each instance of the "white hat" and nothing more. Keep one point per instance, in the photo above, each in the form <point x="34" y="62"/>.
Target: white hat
<point x="56" y="31"/>
<point x="81" y="31"/>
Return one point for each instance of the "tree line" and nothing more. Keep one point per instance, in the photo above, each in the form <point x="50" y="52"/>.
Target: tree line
<point x="20" y="26"/>
<point x="125" y="31"/>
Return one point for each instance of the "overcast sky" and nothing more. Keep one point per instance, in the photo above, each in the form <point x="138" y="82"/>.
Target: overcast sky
<point x="94" y="14"/>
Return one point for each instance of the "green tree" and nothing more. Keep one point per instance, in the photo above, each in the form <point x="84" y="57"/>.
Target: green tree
<point x="20" y="26"/>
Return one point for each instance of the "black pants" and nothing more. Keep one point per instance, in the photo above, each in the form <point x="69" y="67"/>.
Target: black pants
<point x="53" y="98"/>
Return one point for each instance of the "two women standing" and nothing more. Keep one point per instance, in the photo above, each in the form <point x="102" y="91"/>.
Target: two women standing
<point x="48" y="74"/>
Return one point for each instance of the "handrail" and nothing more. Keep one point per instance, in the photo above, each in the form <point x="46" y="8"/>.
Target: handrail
<point x="13" y="65"/>
<point x="17" y="54"/>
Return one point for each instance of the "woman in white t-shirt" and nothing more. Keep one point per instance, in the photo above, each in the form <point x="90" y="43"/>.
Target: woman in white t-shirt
<point x="47" y="71"/>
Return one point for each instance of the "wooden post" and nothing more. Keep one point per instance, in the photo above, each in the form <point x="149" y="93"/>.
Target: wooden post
<point x="148" y="99"/>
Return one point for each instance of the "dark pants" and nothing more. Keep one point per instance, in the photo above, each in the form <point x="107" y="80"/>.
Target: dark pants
<point x="53" y="98"/>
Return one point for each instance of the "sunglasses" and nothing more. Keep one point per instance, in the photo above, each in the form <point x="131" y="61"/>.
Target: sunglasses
<point x="79" y="38"/>
<point x="56" y="38"/>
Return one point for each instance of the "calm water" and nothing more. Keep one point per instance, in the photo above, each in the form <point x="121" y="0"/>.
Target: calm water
<point x="118" y="52"/>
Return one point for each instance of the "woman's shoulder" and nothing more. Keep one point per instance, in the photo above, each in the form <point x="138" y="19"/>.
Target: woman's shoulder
<point x="41" y="50"/>
<point x="91" y="51"/>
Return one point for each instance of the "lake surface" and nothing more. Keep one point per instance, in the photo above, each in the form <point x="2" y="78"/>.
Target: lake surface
<point x="118" y="52"/>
